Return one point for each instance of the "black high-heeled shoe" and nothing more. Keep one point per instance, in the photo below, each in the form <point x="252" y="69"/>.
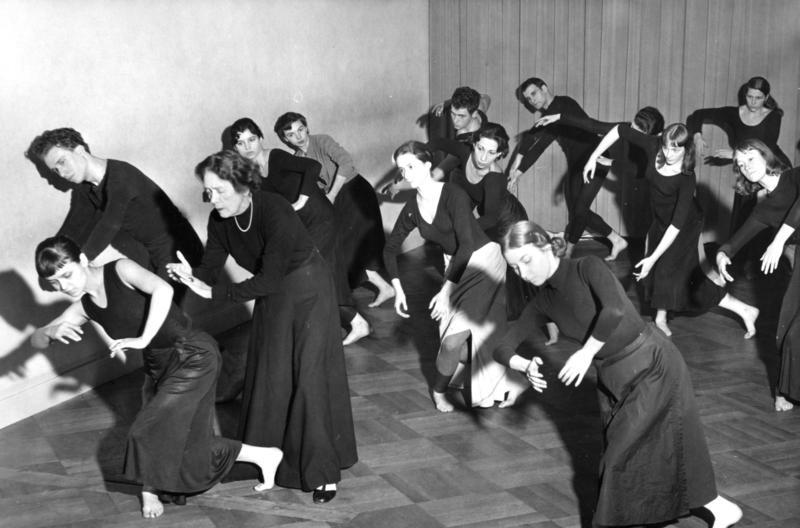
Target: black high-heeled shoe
<point x="323" y="495"/>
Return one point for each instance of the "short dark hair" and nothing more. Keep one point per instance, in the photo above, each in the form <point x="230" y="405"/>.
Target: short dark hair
<point x="649" y="120"/>
<point x="228" y="165"/>
<point x="466" y="97"/>
<point x="495" y="132"/>
<point x="285" y="122"/>
<point x="677" y="135"/>
<point x="67" y="138"/>
<point x="242" y="124"/>
<point x="529" y="81"/>
<point x="53" y="253"/>
<point x="762" y="85"/>
<point x="416" y="148"/>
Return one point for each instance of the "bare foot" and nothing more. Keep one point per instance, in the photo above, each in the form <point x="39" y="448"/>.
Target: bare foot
<point x="151" y="506"/>
<point x="724" y="511"/>
<point x="440" y="400"/>
<point x="268" y="460"/>
<point x="749" y="316"/>
<point x="384" y="294"/>
<point x="359" y="328"/>
<point x="618" y="245"/>
<point x="782" y="404"/>
<point x="662" y="325"/>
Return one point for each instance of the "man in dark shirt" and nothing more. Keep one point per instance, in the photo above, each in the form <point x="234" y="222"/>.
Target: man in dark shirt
<point x="113" y="203"/>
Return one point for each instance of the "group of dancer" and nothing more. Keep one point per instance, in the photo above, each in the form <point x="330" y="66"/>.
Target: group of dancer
<point x="307" y="227"/>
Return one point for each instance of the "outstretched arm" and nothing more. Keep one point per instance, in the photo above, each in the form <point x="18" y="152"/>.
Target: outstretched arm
<point x="609" y="139"/>
<point x="65" y="328"/>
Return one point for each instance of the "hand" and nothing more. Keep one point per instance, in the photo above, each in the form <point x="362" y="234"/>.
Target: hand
<point x="183" y="272"/>
<point x="400" y="305"/>
<point x="552" y="333"/>
<point x="438" y="109"/>
<point x="440" y="304"/>
<point x="64" y="332"/>
<point x="645" y="265"/>
<point x="513" y="177"/>
<point x="723" y="153"/>
<point x="546" y="120"/>
<point x="723" y="261"/>
<point x="575" y="368"/>
<point x="588" y="170"/>
<point x="437" y="174"/>
<point x="604" y="161"/>
<point x="119" y="346"/>
<point x="771" y="257"/>
<point x="534" y="376"/>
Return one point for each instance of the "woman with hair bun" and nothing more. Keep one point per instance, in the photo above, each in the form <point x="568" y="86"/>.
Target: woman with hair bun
<point x="655" y="466"/>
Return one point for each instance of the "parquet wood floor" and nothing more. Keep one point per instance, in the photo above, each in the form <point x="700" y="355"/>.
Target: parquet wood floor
<point x="533" y="465"/>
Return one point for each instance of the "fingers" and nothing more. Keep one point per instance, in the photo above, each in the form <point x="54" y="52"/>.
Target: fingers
<point x="183" y="260"/>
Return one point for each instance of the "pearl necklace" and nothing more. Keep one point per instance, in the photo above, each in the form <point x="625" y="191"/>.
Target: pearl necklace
<point x="249" y="223"/>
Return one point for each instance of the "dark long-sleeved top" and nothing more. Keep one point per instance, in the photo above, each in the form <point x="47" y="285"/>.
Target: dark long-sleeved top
<point x="290" y="175"/>
<point x="490" y="195"/>
<point x="781" y="206"/>
<point x="126" y="200"/>
<point x="577" y="144"/>
<point x="729" y="119"/>
<point x="454" y="228"/>
<point x="335" y="160"/>
<point x="275" y="244"/>
<point x="671" y="197"/>
<point x="620" y="162"/>
<point x="585" y="300"/>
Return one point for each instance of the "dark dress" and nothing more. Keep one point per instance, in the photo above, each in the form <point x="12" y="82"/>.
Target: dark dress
<point x="729" y="119"/>
<point x="673" y="281"/>
<point x="781" y="206"/>
<point x="295" y="394"/>
<point x="171" y="446"/>
<point x="655" y="465"/>
<point x="497" y="209"/>
<point x="290" y="176"/>
<point x="129" y="210"/>
<point x="477" y="268"/>
<point x="577" y="145"/>
<point x="360" y="235"/>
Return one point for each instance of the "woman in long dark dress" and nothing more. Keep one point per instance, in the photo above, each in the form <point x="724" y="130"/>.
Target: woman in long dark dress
<point x="470" y="307"/>
<point x="171" y="447"/>
<point x="295" y="178"/>
<point x="681" y="279"/>
<point x="655" y="465"/>
<point x="761" y="168"/>
<point x="358" y="216"/>
<point x="295" y="393"/>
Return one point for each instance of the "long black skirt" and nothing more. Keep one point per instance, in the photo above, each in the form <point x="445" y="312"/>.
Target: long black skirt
<point x="360" y="230"/>
<point x="296" y="395"/>
<point x="789" y="336"/>
<point x="171" y="445"/>
<point x="655" y="465"/>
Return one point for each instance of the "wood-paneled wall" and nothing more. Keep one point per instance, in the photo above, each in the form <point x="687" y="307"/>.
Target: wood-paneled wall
<point x="613" y="57"/>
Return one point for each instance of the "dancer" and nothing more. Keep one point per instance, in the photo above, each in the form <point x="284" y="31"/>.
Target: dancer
<point x="295" y="178"/>
<point x="655" y="464"/>
<point x="358" y="215"/>
<point x="114" y="203"/>
<point x="171" y="448"/>
<point x="647" y="120"/>
<point x="470" y="307"/>
<point x="759" y="167"/>
<point x="295" y="393"/>
<point x="758" y="116"/>
<point x="577" y="145"/>
<point x="681" y="277"/>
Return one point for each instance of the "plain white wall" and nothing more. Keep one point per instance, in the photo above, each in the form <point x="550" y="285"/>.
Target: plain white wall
<point x="155" y="83"/>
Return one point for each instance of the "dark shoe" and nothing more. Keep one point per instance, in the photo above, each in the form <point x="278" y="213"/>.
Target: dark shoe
<point x="169" y="498"/>
<point x="321" y="496"/>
